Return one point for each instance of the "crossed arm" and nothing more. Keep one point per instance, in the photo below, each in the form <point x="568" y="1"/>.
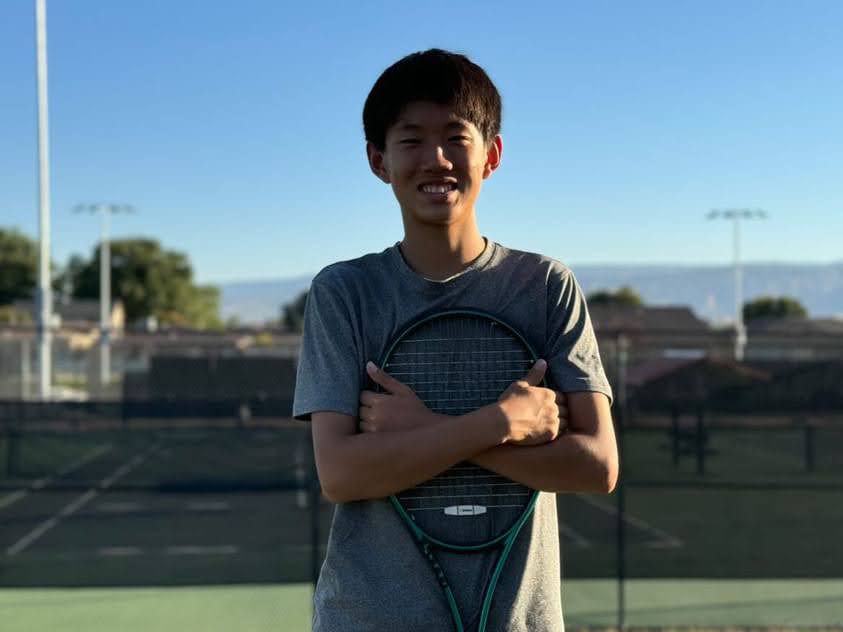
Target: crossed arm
<point x="402" y="443"/>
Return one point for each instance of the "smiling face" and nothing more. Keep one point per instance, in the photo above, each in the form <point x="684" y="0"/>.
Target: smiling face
<point x="436" y="163"/>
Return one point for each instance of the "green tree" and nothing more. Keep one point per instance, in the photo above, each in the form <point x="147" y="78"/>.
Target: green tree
<point x="624" y="296"/>
<point x="150" y="281"/>
<point x="292" y="314"/>
<point x="18" y="266"/>
<point x="773" y="307"/>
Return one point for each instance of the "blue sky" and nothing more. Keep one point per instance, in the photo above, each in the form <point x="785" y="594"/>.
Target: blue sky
<point x="234" y="127"/>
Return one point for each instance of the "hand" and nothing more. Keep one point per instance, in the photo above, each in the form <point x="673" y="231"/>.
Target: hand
<point x="399" y="408"/>
<point x="534" y="414"/>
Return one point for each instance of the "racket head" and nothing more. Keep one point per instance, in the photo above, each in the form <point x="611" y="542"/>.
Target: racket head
<point x="457" y="361"/>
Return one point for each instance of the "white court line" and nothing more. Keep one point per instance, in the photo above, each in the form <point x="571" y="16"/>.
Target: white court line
<point x="578" y="539"/>
<point x="121" y="471"/>
<point x="208" y="505"/>
<point x="202" y="550"/>
<point x="84" y="459"/>
<point x="118" y="507"/>
<point x="41" y="483"/>
<point x="664" y="541"/>
<point x="30" y="537"/>
<point x="119" y="551"/>
<point x="12" y="498"/>
<point x="72" y="507"/>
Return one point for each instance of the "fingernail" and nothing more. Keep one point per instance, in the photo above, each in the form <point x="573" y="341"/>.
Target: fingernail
<point x="370" y="367"/>
<point x="541" y="363"/>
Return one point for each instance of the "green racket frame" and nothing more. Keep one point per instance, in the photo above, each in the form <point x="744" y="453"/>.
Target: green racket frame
<point x="423" y="539"/>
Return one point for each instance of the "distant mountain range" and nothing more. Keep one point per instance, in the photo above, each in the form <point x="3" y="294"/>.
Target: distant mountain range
<point x="708" y="290"/>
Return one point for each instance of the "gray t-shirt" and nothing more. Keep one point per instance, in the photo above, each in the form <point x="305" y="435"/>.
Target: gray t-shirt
<point x="374" y="577"/>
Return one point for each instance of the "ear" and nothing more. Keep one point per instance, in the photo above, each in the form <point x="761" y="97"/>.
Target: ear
<point x="377" y="162"/>
<point x="494" y="152"/>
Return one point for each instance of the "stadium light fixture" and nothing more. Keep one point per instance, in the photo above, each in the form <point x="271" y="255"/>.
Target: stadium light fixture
<point x="105" y="211"/>
<point x="736" y="215"/>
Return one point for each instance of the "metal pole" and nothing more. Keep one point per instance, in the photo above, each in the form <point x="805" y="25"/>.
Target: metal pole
<point x="105" y="282"/>
<point x="105" y="302"/>
<point x="736" y="215"/>
<point x="622" y="347"/>
<point x="740" y="333"/>
<point x="45" y="293"/>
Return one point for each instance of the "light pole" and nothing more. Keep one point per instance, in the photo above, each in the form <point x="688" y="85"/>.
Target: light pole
<point x="45" y="292"/>
<point x="736" y="215"/>
<point x="105" y="211"/>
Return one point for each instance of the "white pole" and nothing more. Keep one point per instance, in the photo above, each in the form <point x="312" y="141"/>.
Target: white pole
<point x="105" y="301"/>
<point x="45" y="294"/>
<point x="740" y="332"/>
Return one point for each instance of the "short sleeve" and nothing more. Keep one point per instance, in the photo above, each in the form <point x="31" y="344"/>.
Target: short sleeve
<point x="329" y="373"/>
<point x="572" y="354"/>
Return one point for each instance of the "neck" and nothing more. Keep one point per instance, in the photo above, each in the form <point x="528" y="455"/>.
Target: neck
<point x="440" y="252"/>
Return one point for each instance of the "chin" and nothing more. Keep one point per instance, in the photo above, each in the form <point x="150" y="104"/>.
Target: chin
<point x="444" y="216"/>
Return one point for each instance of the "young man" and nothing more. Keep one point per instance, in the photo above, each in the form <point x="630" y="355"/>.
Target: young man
<point x="432" y="123"/>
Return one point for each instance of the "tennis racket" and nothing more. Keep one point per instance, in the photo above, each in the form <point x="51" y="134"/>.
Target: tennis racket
<point x="457" y="361"/>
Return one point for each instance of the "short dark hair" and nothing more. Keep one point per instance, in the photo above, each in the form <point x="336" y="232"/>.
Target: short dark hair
<point x="438" y="76"/>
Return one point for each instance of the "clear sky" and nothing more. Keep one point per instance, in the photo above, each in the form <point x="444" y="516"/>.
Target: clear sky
<point x="234" y="126"/>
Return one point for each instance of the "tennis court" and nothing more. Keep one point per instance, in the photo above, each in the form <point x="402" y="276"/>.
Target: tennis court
<point x="208" y="523"/>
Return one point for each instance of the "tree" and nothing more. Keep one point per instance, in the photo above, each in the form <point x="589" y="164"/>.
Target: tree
<point x="773" y="307"/>
<point x="19" y="261"/>
<point x="18" y="266"/>
<point x="623" y="297"/>
<point x="292" y="314"/>
<point x="150" y="281"/>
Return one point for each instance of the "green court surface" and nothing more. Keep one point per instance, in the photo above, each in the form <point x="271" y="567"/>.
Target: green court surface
<point x="588" y="603"/>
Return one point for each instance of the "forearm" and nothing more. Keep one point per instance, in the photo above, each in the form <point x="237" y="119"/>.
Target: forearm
<point x="377" y="464"/>
<point x="573" y="462"/>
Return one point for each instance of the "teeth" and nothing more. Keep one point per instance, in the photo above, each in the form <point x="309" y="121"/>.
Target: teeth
<point x="437" y="188"/>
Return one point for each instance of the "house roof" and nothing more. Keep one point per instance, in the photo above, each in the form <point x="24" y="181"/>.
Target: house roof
<point x="673" y="319"/>
<point x="795" y="326"/>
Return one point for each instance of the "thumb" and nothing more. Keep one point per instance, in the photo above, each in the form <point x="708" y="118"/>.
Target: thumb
<point x="383" y="379"/>
<point x="536" y="373"/>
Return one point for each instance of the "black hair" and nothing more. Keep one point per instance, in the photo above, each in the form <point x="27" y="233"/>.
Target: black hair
<point x="438" y="76"/>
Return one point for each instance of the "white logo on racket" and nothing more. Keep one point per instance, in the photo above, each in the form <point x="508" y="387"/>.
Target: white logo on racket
<point x="465" y="510"/>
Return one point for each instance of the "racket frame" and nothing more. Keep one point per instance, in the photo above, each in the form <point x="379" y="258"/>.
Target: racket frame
<point x="427" y="542"/>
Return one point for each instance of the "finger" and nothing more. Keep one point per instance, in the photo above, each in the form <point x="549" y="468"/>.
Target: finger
<point x="561" y="400"/>
<point x="384" y="379"/>
<point x="536" y="373"/>
<point x="364" y="413"/>
<point x="365" y="426"/>
<point x="368" y="398"/>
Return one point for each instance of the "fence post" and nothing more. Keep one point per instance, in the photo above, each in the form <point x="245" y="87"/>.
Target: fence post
<point x="315" y="540"/>
<point x="674" y="427"/>
<point x="620" y="491"/>
<point x="809" y="444"/>
<point x="702" y="440"/>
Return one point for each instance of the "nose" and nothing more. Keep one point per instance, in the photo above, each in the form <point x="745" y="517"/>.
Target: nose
<point x="436" y="160"/>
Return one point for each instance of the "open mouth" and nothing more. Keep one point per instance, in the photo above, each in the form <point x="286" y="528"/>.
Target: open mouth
<point x="438" y="187"/>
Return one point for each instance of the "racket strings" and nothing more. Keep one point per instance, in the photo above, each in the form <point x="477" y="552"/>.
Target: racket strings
<point x="456" y="365"/>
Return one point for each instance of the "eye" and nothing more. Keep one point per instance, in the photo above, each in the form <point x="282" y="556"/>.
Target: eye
<point x="409" y="141"/>
<point x="460" y="138"/>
